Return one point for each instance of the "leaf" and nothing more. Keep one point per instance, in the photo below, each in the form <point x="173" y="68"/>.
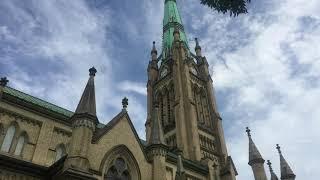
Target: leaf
<point x="234" y="7"/>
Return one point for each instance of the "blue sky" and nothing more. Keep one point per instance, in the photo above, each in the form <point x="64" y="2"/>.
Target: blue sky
<point x="265" y="65"/>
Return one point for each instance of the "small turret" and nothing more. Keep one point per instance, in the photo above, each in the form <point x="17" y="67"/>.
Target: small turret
<point x="153" y="72"/>
<point x="84" y="122"/>
<point x="198" y="48"/>
<point x="255" y="159"/>
<point x="153" y="64"/>
<point x="180" y="174"/>
<point x="156" y="149"/>
<point x="154" y="52"/>
<point x="272" y="174"/>
<point x="156" y="137"/>
<point x="286" y="171"/>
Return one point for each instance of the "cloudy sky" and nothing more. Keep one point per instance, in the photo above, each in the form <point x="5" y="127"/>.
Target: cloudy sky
<point x="265" y="65"/>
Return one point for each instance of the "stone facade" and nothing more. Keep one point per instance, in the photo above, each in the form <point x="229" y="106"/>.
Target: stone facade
<point x="184" y="134"/>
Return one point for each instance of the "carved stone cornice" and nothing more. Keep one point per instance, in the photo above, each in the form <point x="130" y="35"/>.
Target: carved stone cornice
<point x="165" y="81"/>
<point x="22" y="118"/>
<point x="61" y="131"/>
<point x="83" y="122"/>
<point x="156" y="150"/>
<point x="197" y="79"/>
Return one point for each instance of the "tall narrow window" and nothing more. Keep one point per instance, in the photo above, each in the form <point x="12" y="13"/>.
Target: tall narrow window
<point x="60" y="151"/>
<point x="8" y="139"/>
<point x="20" y="145"/>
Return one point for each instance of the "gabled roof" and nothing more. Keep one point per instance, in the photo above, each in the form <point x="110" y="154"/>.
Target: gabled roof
<point x="35" y="103"/>
<point x="102" y="131"/>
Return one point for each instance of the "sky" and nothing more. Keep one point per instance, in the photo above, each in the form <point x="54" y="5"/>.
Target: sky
<point x="265" y="65"/>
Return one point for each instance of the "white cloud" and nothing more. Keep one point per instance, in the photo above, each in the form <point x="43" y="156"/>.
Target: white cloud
<point x="136" y="87"/>
<point x="276" y="97"/>
<point x="268" y="61"/>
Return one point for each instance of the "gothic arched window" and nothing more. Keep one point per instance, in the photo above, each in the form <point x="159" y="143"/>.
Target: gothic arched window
<point x="20" y="144"/>
<point x="118" y="171"/>
<point x="8" y="139"/>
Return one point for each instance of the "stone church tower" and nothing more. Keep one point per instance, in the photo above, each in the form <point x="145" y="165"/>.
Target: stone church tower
<point x="180" y="83"/>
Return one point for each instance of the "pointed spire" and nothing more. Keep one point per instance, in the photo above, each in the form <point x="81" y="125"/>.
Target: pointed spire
<point x="273" y="175"/>
<point x="197" y="44"/>
<point x="156" y="136"/>
<point x="286" y="171"/>
<point x="180" y="174"/>
<point x="172" y="20"/>
<point x="254" y="154"/>
<point x="154" y="50"/>
<point x="3" y="81"/>
<point x="87" y="104"/>
<point x="197" y="48"/>
<point x="154" y="53"/>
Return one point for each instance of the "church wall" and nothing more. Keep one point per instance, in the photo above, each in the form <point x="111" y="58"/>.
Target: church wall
<point x="40" y="132"/>
<point x="191" y="175"/>
<point x="7" y="175"/>
<point x="120" y="134"/>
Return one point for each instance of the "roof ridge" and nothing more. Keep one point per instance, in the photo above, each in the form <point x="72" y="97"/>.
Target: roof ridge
<point x="7" y="89"/>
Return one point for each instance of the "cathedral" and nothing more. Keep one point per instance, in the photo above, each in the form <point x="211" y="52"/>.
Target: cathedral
<point x="184" y="133"/>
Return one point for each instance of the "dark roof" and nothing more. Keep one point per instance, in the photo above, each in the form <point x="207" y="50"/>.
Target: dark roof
<point x="87" y="103"/>
<point x="36" y="102"/>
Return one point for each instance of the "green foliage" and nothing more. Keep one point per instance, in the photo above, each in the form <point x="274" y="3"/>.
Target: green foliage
<point x="235" y="7"/>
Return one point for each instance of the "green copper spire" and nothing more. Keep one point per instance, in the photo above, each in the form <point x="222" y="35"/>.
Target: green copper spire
<point x="171" y="20"/>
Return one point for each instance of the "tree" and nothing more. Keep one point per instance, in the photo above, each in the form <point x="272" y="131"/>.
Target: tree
<point x="235" y="7"/>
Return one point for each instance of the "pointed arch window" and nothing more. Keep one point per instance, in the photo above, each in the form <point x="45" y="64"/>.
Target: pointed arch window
<point x="20" y="145"/>
<point x="7" y="142"/>
<point x="118" y="171"/>
<point x="60" y="152"/>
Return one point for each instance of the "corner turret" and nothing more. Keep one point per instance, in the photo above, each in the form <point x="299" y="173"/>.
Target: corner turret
<point x="84" y="122"/>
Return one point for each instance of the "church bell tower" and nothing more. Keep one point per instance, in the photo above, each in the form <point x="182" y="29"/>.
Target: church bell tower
<point x="180" y="83"/>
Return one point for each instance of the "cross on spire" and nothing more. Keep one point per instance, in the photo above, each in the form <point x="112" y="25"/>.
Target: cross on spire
<point x="248" y="131"/>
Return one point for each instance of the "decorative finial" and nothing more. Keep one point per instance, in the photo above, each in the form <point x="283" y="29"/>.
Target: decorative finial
<point x="248" y="131"/>
<point x="154" y="50"/>
<point x="125" y="103"/>
<point x="197" y="44"/>
<point x="269" y="164"/>
<point x="92" y="71"/>
<point x="4" y="81"/>
<point x="279" y="149"/>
